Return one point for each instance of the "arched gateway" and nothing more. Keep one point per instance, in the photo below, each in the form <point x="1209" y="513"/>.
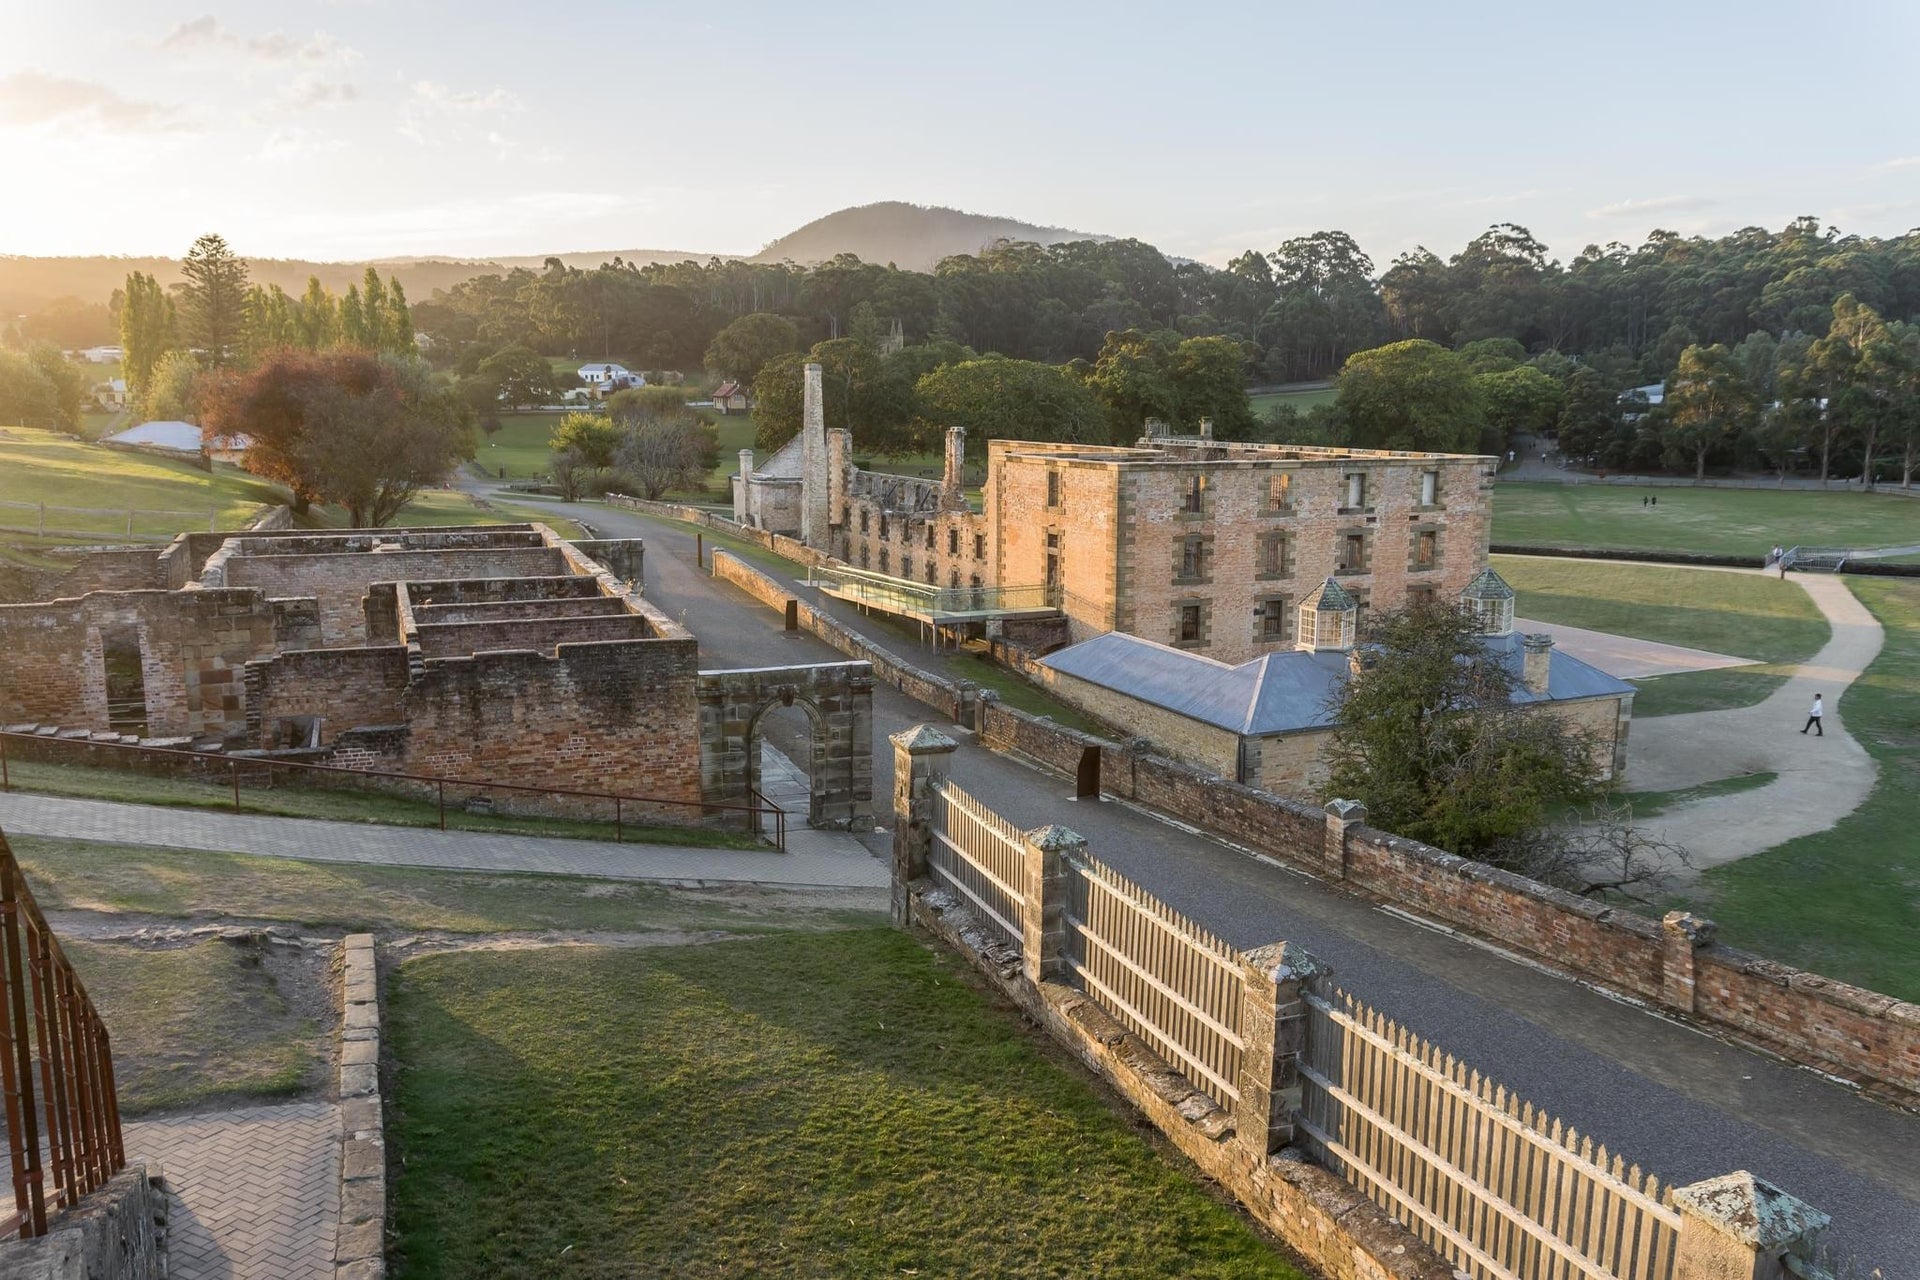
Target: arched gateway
<point x="838" y="700"/>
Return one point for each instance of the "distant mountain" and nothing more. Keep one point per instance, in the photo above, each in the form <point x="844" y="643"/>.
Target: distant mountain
<point x="911" y="236"/>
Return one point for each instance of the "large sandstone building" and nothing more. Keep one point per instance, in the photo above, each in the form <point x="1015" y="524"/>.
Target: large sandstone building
<point x="1205" y="545"/>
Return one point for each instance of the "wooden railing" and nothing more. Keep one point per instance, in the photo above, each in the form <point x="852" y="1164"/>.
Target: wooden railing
<point x="56" y="1067"/>
<point x="1172" y="982"/>
<point x="982" y="857"/>
<point x="1486" y="1179"/>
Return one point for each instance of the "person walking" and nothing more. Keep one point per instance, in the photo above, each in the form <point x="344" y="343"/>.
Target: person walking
<point x="1813" y="719"/>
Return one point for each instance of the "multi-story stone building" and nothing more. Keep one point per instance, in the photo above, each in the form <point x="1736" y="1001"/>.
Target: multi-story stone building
<point x="1206" y="545"/>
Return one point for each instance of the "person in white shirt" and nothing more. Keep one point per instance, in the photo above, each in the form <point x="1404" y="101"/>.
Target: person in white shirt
<point x="1813" y="719"/>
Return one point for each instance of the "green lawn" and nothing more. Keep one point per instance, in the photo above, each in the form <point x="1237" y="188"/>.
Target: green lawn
<point x="1846" y="902"/>
<point x="1648" y="804"/>
<point x="1747" y="615"/>
<point x="519" y="447"/>
<point x="1741" y="522"/>
<point x="1303" y="398"/>
<point x="197" y="1022"/>
<point x="46" y="466"/>
<point x="198" y="886"/>
<point x="845" y="1104"/>
<point x="285" y="796"/>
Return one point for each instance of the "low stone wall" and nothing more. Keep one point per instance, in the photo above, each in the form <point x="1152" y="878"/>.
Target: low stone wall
<point x="1838" y="1028"/>
<point x="953" y="699"/>
<point x="1336" y="1230"/>
<point x="117" y="1233"/>
<point x="360" y="1245"/>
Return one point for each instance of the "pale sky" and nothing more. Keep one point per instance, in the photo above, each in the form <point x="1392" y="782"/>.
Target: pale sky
<point x="386" y="127"/>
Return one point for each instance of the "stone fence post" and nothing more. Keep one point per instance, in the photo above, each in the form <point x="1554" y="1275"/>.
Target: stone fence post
<point x="1275" y="981"/>
<point x="1043" y="907"/>
<point x="1739" y="1227"/>
<point x="919" y="756"/>
<point x="1681" y="934"/>
<point x="1341" y="814"/>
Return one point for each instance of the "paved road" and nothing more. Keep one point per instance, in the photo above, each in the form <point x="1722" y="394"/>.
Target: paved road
<point x="1672" y="1099"/>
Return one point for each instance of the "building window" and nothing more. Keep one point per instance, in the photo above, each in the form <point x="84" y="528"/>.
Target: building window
<point x="883" y="560"/>
<point x="1353" y="553"/>
<point x="1196" y="500"/>
<point x="863" y="556"/>
<point x="864" y="517"/>
<point x="1053" y="488"/>
<point x="1188" y="628"/>
<point x="1356" y="491"/>
<point x="929" y="537"/>
<point x="1276" y="556"/>
<point x="1421" y="597"/>
<point x="1276" y="619"/>
<point x="1053" y="559"/>
<point x="1426" y="549"/>
<point x="1280" y="491"/>
<point x="933" y="573"/>
<point x="979" y="546"/>
<point x="1429" y="488"/>
<point x="953" y="579"/>
<point x="974" y="582"/>
<point x="953" y="543"/>
<point x="1193" y="558"/>
<point x="906" y="566"/>
<point x="883" y="526"/>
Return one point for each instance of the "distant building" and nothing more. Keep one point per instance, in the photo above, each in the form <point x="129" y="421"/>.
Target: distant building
<point x="111" y="395"/>
<point x="605" y="379"/>
<point x="732" y="397"/>
<point x="170" y="438"/>
<point x="100" y="355"/>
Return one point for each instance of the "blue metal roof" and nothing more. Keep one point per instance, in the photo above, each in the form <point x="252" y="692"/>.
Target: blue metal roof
<point x="1277" y="692"/>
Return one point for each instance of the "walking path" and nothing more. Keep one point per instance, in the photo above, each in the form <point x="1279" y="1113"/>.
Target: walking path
<point x="814" y="859"/>
<point x="1821" y="780"/>
<point x="255" y="1192"/>
<point x="1627" y="657"/>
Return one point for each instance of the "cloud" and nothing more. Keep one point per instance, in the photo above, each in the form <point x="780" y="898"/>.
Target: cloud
<point x="309" y="91"/>
<point x="206" y="35"/>
<point x="434" y="108"/>
<point x="1904" y="162"/>
<point x="285" y="146"/>
<point x="433" y="95"/>
<point x="33" y="97"/>
<point x="1655" y="204"/>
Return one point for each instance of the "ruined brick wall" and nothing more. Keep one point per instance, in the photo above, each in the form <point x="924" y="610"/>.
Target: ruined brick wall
<point x="1081" y="528"/>
<point x="113" y="569"/>
<point x="507" y="610"/>
<point x="452" y="639"/>
<point x="481" y="591"/>
<point x="192" y="647"/>
<point x="345" y="688"/>
<point x="340" y="581"/>
<point x="615" y="717"/>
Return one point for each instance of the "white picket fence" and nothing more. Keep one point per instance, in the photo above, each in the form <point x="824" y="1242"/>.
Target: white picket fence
<point x="1498" y="1187"/>
<point x="1503" y="1190"/>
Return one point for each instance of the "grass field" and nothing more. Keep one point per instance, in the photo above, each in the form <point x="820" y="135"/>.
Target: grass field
<point x="287" y="798"/>
<point x="200" y="886"/>
<point x="1706" y="521"/>
<point x="197" y="1022"/>
<point x="1301" y="398"/>
<point x="1846" y="902"/>
<point x="845" y="1104"/>
<point x="1742" y="614"/>
<point x="46" y="466"/>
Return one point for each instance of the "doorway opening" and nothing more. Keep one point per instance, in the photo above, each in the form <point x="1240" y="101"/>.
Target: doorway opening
<point x="126" y="681"/>
<point x="781" y="762"/>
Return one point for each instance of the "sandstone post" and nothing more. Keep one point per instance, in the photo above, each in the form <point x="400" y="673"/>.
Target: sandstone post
<point x="919" y="756"/>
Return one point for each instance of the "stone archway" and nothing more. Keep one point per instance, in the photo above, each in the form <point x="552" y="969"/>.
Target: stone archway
<point x="838" y="700"/>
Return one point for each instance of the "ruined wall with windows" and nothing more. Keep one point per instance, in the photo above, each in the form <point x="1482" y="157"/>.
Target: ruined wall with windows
<point x="908" y="527"/>
<point x="1210" y="545"/>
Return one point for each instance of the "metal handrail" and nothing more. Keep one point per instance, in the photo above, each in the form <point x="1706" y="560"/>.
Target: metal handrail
<point x="67" y="1124"/>
<point x="236" y="763"/>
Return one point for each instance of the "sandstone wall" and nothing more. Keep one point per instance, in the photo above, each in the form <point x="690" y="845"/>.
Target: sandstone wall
<point x="455" y="639"/>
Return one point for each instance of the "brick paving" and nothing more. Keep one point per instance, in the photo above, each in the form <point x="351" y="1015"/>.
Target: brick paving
<point x="256" y="1192"/>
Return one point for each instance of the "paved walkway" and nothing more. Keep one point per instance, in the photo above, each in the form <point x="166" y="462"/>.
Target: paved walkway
<point x="1821" y="780"/>
<point x="256" y="1192"/>
<point x="814" y="859"/>
<point x="1626" y="657"/>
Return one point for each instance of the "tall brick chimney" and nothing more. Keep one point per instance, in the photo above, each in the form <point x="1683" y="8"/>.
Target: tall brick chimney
<point x="1536" y="662"/>
<point x="956" y="477"/>
<point x="815" y="510"/>
<point x="1206" y="428"/>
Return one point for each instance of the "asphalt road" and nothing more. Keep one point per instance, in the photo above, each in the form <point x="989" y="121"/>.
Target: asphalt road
<point x="1665" y="1096"/>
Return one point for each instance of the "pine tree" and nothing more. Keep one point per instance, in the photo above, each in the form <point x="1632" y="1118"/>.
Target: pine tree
<point x="214" y="300"/>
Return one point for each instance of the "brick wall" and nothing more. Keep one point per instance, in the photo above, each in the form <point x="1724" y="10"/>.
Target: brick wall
<point x="453" y="639"/>
<point x="507" y="610"/>
<point x="117" y="569"/>
<point x="478" y="591"/>
<point x="340" y="581"/>
<point x="1194" y="741"/>
<point x="346" y="688"/>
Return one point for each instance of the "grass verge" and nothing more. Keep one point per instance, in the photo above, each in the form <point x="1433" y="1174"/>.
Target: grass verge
<point x="197" y="1022"/>
<point x="839" y="1104"/>
<point x="198" y="885"/>
<point x="1735" y="522"/>
<point x="1846" y="902"/>
<point x="293" y="801"/>
<point x="1744" y="614"/>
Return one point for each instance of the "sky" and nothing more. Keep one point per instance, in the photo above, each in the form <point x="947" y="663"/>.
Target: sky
<point x="345" y="129"/>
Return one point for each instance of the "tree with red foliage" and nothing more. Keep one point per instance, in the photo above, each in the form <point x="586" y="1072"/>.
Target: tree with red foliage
<point x="343" y="426"/>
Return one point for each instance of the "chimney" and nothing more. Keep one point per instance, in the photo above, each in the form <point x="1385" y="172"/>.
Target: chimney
<point x="1206" y="428"/>
<point x="956" y="479"/>
<point x="746" y="462"/>
<point x="1536" y="663"/>
<point x="814" y="509"/>
<point x="742" y="498"/>
<point x="1361" y="661"/>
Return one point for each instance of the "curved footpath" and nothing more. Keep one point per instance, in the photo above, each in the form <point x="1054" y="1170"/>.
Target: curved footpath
<point x="1820" y="779"/>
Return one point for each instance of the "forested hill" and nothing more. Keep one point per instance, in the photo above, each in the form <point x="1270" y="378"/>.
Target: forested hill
<point x="29" y="284"/>
<point x="912" y="237"/>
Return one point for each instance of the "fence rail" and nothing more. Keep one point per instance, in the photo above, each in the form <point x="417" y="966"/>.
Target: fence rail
<point x="1492" y="1183"/>
<point x="1172" y="982"/>
<point x="982" y="857"/>
<point x="56" y="1067"/>
<point x="115" y="522"/>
